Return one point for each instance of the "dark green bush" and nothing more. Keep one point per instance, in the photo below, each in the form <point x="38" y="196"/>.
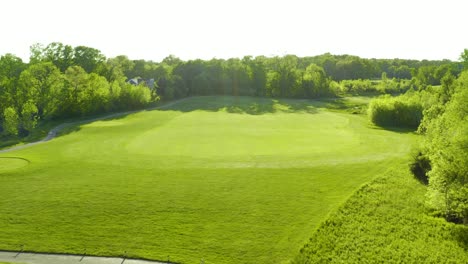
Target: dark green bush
<point x="420" y="166"/>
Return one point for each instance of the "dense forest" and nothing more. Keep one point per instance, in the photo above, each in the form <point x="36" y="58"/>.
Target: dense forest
<point x="61" y="81"/>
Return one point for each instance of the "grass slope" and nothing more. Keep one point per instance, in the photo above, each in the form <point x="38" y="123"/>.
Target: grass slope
<point x="385" y="222"/>
<point x="223" y="179"/>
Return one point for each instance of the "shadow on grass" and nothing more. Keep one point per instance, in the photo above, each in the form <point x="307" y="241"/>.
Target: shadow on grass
<point x="241" y="105"/>
<point x="229" y="104"/>
<point x="337" y="103"/>
<point x="245" y="105"/>
<point x="401" y="130"/>
<point x="344" y="104"/>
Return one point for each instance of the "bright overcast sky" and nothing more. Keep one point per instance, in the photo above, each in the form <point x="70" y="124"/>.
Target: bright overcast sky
<point x="189" y="29"/>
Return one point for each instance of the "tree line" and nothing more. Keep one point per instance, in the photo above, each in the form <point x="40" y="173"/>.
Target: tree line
<point x="61" y="81"/>
<point x="290" y="76"/>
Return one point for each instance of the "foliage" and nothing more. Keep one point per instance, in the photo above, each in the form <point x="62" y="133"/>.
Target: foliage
<point x="10" y="121"/>
<point x="386" y="222"/>
<point x="464" y="58"/>
<point x="383" y="86"/>
<point x="447" y="147"/>
<point x="65" y="56"/>
<point x="62" y="82"/>
<point x="442" y="160"/>
<point x="217" y="178"/>
<point x="29" y="115"/>
<point x="40" y="84"/>
<point x="395" y="112"/>
<point x="420" y="165"/>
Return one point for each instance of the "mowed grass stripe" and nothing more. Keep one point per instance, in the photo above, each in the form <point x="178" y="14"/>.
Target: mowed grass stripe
<point x="229" y="180"/>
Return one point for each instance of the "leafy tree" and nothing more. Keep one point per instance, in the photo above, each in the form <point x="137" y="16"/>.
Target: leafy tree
<point x="10" y="70"/>
<point x="95" y="97"/>
<point x="29" y="116"/>
<point x="240" y="77"/>
<point x="42" y="83"/>
<point x="447" y="147"/>
<point x="283" y="76"/>
<point x="163" y="75"/>
<point x="36" y="53"/>
<point x="10" y="121"/>
<point x="115" y="90"/>
<point x="314" y="82"/>
<point x="464" y="59"/>
<point x="117" y="68"/>
<point x="59" y="54"/>
<point x="88" y="58"/>
<point x="402" y="72"/>
<point x="177" y="86"/>
<point x="74" y="95"/>
<point x="188" y="71"/>
<point x="259" y="74"/>
<point x="134" y="96"/>
<point x="172" y="61"/>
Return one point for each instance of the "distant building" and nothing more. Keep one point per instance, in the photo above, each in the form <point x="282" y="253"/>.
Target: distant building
<point x="138" y="80"/>
<point x="135" y="81"/>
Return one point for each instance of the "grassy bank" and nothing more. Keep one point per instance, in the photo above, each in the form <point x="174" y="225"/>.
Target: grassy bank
<point x="386" y="222"/>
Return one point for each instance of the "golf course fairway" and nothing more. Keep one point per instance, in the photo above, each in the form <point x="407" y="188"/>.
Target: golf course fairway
<point x="207" y="180"/>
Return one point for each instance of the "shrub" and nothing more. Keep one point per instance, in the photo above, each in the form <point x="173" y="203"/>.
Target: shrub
<point x="395" y="112"/>
<point x="420" y="166"/>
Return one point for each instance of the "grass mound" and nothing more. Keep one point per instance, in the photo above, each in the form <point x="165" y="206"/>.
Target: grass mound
<point x="385" y="222"/>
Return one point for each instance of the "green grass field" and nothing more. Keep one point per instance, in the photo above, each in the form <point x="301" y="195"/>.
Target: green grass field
<point x="223" y="179"/>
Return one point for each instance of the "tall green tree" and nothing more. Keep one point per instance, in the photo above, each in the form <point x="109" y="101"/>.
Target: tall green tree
<point x="10" y="121"/>
<point x="283" y="77"/>
<point x="42" y="83"/>
<point x="464" y="59"/>
<point x="10" y="70"/>
<point x="59" y="54"/>
<point x="88" y="58"/>
<point x="315" y="82"/>
<point x="259" y="74"/>
<point x="447" y="143"/>
<point x="446" y="146"/>
<point x="29" y="116"/>
<point x="74" y="94"/>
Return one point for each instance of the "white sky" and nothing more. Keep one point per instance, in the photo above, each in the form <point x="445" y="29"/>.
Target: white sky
<point x="151" y="30"/>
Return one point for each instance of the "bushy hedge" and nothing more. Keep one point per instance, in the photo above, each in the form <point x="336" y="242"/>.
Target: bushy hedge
<point x="385" y="86"/>
<point x="395" y="112"/>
